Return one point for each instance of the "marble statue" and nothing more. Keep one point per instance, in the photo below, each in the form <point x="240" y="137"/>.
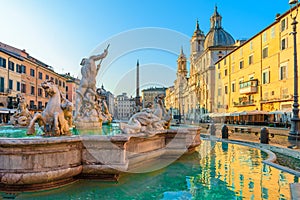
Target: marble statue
<point x="102" y="107"/>
<point x="52" y="118"/>
<point x="87" y="106"/>
<point x="151" y="118"/>
<point x="22" y="117"/>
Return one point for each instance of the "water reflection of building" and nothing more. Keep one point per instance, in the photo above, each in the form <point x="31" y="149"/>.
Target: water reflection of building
<point x="242" y="170"/>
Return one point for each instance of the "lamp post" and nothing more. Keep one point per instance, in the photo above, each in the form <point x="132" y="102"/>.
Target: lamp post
<point x="294" y="134"/>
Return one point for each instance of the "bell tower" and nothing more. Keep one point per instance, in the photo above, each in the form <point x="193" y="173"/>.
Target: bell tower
<point x="197" y="41"/>
<point x="181" y="64"/>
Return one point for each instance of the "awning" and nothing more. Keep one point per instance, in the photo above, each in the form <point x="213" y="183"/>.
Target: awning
<point x="219" y="114"/>
<point x="281" y="112"/>
<point x="7" y="110"/>
<point x="238" y="113"/>
<point x="257" y="112"/>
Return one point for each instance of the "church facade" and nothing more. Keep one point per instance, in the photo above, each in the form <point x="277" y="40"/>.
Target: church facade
<point x="193" y="92"/>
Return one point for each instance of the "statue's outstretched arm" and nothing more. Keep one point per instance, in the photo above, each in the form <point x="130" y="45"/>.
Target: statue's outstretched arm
<point x="99" y="56"/>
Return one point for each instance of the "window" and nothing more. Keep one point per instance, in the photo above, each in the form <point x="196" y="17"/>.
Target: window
<point x="264" y="37"/>
<point x="241" y="64"/>
<point x="18" y="86"/>
<point x="47" y="77"/>
<point x="10" y="84"/>
<point x="32" y="89"/>
<point x="41" y="75"/>
<point x="23" y="88"/>
<point x="32" y="72"/>
<point x="59" y="82"/>
<point x="1" y="84"/>
<point x="251" y="46"/>
<point x="283" y="24"/>
<point x="31" y="104"/>
<point x="18" y="68"/>
<point x="11" y="66"/>
<point x="40" y="92"/>
<point x="40" y="105"/>
<point x="218" y="65"/>
<point x="23" y="69"/>
<point x="226" y="89"/>
<point x="266" y="77"/>
<point x="282" y="72"/>
<point x="3" y="62"/>
<point x="265" y="52"/>
<point x="233" y="87"/>
<point x="67" y="88"/>
<point x="64" y="85"/>
<point x="219" y="91"/>
<point x="224" y="61"/>
<point x="225" y="72"/>
<point x="56" y="81"/>
<point x="273" y="32"/>
<point x="283" y="44"/>
<point x="250" y="60"/>
<point x="219" y="75"/>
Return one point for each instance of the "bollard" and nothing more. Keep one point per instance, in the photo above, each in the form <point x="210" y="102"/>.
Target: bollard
<point x="264" y="135"/>
<point x="224" y="131"/>
<point x="212" y="129"/>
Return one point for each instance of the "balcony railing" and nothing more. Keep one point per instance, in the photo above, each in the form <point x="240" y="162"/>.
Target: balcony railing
<point x="248" y="87"/>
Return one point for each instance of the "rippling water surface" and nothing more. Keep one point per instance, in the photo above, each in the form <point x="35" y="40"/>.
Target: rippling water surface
<point x="216" y="171"/>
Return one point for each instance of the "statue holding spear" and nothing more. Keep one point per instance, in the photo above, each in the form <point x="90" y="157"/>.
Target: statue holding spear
<point x="87" y="87"/>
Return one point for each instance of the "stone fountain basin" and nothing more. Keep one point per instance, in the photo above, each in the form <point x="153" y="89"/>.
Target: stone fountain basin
<point x="38" y="163"/>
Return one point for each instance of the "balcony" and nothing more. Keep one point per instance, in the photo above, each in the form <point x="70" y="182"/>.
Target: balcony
<point x="248" y="87"/>
<point x="243" y="103"/>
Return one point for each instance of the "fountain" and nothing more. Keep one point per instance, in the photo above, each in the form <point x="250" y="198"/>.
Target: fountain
<point x="39" y="162"/>
<point x="88" y="102"/>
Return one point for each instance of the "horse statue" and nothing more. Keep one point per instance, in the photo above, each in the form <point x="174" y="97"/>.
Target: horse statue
<point x="22" y="116"/>
<point x="52" y="118"/>
<point x="151" y="118"/>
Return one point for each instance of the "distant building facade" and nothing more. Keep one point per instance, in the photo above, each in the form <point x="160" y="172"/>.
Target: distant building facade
<point x="72" y="85"/>
<point x="124" y="107"/>
<point x="149" y="94"/>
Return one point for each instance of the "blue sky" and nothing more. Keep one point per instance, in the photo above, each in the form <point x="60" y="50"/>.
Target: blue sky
<point x="62" y="32"/>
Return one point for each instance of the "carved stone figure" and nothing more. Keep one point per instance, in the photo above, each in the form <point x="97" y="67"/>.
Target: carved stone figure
<point x="67" y="107"/>
<point x="102" y="107"/>
<point x="86" y="93"/>
<point x="52" y="118"/>
<point x="22" y="117"/>
<point x="148" y="119"/>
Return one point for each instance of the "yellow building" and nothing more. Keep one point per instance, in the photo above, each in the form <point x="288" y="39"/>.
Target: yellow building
<point x="258" y="74"/>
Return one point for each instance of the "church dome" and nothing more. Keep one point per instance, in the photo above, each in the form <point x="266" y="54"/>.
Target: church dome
<point x="217" y="36"/>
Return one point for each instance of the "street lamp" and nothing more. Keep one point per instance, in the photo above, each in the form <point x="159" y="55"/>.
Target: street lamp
<point x="294" y="134"/>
